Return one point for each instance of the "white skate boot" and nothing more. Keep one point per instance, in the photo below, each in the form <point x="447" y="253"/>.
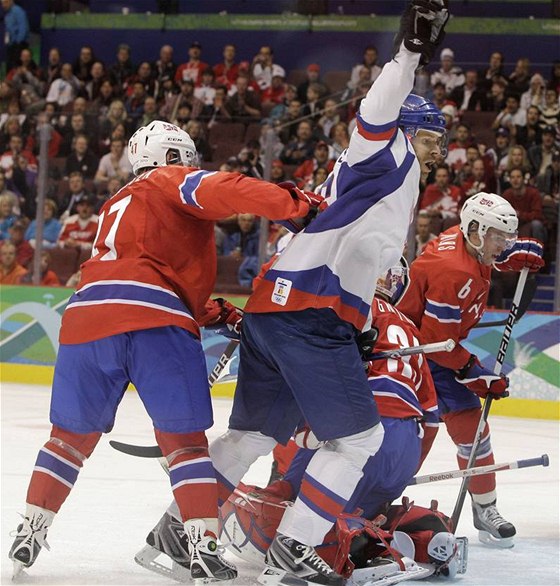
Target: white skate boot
<point x="493" y="529"/>
<point x="30" y="538"/>
<point x="206" y="562"/>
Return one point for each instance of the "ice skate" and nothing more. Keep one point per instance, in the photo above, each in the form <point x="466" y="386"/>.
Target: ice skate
<point x="168" y="538"/>
<point x="30" y="538"/>
<point x="493" y="529"/>
<point x="291" y="563"/>
<point x="206" y="562"/>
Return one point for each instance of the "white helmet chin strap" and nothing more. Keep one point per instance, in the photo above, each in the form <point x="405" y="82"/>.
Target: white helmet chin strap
<point x="478" y="248"/>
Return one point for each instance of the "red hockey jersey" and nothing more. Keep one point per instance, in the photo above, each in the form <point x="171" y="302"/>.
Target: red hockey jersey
<point x="447" y="295"/>
<point x="402" y="387"/>
<point x="154" y="257"/>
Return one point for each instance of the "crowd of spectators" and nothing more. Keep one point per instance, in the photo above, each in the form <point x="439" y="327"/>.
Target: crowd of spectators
<point x="94" y="107"/>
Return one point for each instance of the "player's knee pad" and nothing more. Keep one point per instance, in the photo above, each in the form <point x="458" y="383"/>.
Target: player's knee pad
<point x="359" y="447"/>
<point x="78" y="445"/>
<point x="174" y="445"/>
<point x="243" y="446"/>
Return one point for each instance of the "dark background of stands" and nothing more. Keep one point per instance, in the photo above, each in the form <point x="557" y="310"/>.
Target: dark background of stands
<point x="332" y="50"/>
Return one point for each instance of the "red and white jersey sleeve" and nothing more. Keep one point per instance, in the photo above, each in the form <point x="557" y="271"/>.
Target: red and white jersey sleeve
<point x="447" y="295"/>
<point x="153" y="261"/>
<point x="402" y="387"/>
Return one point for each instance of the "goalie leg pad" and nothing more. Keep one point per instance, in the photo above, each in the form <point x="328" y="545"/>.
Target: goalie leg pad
<point x="329" y="481"/>
<point x="233" y="453"/>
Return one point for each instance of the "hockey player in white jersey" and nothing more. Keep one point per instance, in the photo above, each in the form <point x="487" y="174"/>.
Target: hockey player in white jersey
<point x="298" y="357"/>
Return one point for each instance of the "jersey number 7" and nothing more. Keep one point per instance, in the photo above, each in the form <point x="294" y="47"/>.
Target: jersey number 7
<point x="116" y="212"/>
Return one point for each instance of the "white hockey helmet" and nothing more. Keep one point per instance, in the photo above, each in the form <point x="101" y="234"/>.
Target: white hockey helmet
<point x="392" y="285"/>
<point x="488" y="210"/>
<point x="160" y="144"/>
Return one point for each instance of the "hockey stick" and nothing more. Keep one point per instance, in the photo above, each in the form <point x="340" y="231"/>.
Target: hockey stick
<point x="468" y="472"/>
<point x="526" y="298"/>
<point x="445" y="346"/>
<point x="154" y="451"/>
<point x="504" y="343"/>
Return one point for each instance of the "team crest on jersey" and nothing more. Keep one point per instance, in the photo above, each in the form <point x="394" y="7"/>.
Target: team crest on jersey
<point x="282" y="288"/>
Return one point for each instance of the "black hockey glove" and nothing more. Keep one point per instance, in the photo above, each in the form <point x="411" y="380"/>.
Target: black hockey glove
<point x="422" y="27"/>
<point x="366" y="343"/>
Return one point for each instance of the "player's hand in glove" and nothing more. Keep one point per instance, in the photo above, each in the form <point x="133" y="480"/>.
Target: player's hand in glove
<point x="366" y="343"/>
<point x="482" y="381"/>
<point x="422" y="27"/>
<point x="315" y="201"/>
<point x="525" y="253"/>
<point x="222" y="317"/>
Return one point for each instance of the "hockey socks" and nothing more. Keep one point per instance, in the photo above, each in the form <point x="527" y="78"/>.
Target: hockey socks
<point x="191" y="474"/>
<point x="57" y="467"/>
<point x="462" y="427"/>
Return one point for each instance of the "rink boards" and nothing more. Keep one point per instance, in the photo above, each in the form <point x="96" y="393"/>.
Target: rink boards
<point x="30" y="321"/>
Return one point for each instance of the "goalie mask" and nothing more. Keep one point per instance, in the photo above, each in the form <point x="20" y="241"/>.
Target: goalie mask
<point x="426" y="535"/>
<point x="392" y="285"/>
<point x="158" y="145"/>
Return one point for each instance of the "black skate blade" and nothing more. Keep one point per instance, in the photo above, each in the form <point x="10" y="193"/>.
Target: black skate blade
<point x="277" y="577"/>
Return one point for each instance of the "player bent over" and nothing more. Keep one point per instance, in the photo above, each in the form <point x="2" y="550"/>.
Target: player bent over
<point x="404" y="394"/>
<point x="134" y="319"/>
<point x="298" y="357"/>
<point x="449" y="285"/>
<point x="405" y="397"/>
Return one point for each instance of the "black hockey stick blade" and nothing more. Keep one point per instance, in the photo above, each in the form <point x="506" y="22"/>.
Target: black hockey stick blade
<point x="139" y="451"/>
<point x="526" y="298"/>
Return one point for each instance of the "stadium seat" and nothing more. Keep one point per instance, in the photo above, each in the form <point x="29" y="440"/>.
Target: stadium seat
<point x="296" y="76"/>
<point x="64" y="262"/>
<point x="253" y="132"/>
<point x="480" y="124"/>
<point x="230" y="131"/>
<point x="227" y="280"/>
<point x="225" y="149"/>
<point x="336" y="80"/>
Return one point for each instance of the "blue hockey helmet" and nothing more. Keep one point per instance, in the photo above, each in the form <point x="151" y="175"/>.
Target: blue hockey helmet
<point x="417" y="113"/>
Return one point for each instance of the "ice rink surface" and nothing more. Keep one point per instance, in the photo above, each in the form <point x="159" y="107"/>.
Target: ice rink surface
<point x="118" y="499"/>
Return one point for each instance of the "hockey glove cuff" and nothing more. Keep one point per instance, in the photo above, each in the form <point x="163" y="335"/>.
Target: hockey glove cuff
<point x="481" y="381"/>
<point x="422" y="28"/>
<point x="314" y="200"/>
<point x="223" y="318"/>
<point x="525" y="253"/>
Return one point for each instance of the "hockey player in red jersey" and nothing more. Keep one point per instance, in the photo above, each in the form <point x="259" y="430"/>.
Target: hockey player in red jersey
<point x="449" y="285"/>
<point x="134" y="318"/>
